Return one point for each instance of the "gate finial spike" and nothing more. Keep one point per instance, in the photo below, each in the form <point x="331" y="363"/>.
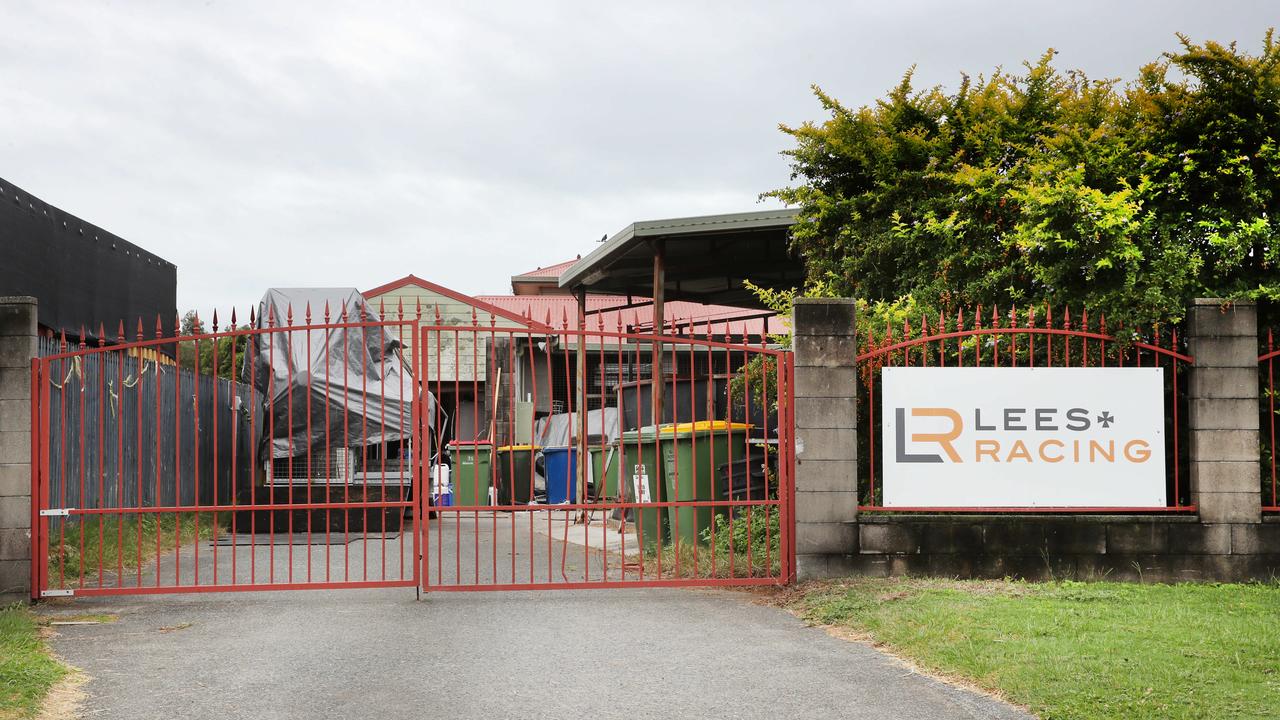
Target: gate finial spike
<point x="564" y="318"/>
<point x="959" y="319"/>
<point x="417" y="310"/>
<point x="288" y="314"/>
<point x="233" y="318"/>
<point x="475" y="319"/>
<point x="120" y="333"/>
<point x="271" y="317"/>
<point x="437" y="313"/>
<point x="1066" y="318"/>
<point x="159" y="326"/>
<point x="82" y="334"/>
<point x="307" y="310"/>
<point x="139" y="331"/>
<point x="995" y="315"/>
<point x="252" y="320"/>
<point x="1084" y="320"/>
<point x="400" y="309"/>
<point x="382" y="309"/>
<point x="62" y="337"/>
<point x="102" y="334"/>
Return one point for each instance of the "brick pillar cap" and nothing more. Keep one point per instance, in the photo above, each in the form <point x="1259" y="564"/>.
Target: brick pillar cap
<point x="823" y="301"/>
<point x="1221" y="302"/>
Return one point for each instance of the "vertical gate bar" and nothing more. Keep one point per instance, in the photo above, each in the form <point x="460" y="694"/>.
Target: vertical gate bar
<point x="102" y="476"/>
<point x="436" y="435"/>
<point x="711" y="416"/>
<point x="270" y="460"/>
<point x="364" y="443"/>
<point x="217" y="406"/>
<point x="329" y="475"/>
<point x="306" y="318"/>
<point x="533" y="377"/>
<point x="195" y="455"/>
<point x="177" y="456"/>
<point x="415" y="450"/>
<point x="141" y="364"/>
<point x="384" y="446"/>
<point x="693" y="448"/>
<point x="120" y="466"/>
<point x="79" y="361"/>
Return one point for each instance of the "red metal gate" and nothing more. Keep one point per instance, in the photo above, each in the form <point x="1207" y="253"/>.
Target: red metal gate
<point x="694" y="492"/>
<point x="157" y="464"/>
<point x="274" y="456"/>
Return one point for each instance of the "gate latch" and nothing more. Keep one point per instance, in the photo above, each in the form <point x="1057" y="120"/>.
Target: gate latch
<point x="55" y="512"/>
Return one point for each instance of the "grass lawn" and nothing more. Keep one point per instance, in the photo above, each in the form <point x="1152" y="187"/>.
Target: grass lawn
<point x="113" y="542"/>
<point x="1077" y="650"/>
<point x="27" y="671"/>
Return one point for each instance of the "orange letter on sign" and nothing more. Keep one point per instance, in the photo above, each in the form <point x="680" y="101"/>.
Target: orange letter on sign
<point x="944" y="439"/>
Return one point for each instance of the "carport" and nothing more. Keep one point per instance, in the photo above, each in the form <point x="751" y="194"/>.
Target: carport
<point x="699" y="259"/>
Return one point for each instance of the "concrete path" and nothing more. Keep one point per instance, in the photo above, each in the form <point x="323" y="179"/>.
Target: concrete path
<point x="371" y="654"/>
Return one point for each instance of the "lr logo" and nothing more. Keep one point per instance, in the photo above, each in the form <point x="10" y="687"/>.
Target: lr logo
<point x="944" y="439"/>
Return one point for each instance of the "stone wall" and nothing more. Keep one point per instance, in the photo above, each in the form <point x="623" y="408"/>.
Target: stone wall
<point x="17" y="347"/>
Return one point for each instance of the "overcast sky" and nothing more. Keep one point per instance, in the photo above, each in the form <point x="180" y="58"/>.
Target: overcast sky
<point x="260" y="144"/>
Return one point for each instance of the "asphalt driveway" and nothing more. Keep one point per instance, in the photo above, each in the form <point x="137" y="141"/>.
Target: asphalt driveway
<point x="632" y="653"/>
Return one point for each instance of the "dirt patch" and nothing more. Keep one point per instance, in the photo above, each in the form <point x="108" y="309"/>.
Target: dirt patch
<point x="65" y="700"/>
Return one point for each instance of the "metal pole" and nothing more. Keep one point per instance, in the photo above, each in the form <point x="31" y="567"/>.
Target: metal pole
<point x="583" y="458"/>
<point x="659" y="326"/>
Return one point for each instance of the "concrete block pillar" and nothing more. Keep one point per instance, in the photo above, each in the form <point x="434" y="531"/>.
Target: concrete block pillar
<point x="17" y="347"/>
<point x="1223" y="417"/>
<point x="826" y="422"/>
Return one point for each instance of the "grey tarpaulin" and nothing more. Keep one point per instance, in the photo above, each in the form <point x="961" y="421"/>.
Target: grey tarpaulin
<point x="329" y="387"/>
<point x="557" y="430"/>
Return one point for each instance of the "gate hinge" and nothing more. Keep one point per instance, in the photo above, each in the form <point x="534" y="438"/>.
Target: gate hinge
<point x="56" y="512"/>
<point x="57" y="593"/>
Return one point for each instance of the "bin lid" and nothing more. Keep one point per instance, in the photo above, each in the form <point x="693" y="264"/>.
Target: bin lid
<point x="516" y="448"/>
<point x="648" y="432"/>
<point x="703" y="426"/>
<point x="470" y="443"/>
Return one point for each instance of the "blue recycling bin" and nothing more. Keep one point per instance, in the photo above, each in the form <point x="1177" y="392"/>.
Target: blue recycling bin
<point x="561" y="464"/>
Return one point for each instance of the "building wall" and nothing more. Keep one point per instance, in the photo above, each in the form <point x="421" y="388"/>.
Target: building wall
<point x="452" y="356"/>
<point x="82" y="275"/>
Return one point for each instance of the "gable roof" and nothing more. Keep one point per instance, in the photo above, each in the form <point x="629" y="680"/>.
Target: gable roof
<point x="415" y="281"/>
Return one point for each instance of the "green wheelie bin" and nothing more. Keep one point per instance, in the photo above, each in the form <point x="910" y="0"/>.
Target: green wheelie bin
<point x="605" y="466"/>
<point x="471" y="474"/>
<point x="515" y="474"/>
<point x="639" y="464"/>
<point x="691" y="452"/>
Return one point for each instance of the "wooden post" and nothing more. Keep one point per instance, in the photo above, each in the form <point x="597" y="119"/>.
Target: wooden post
<point x="659" y="326"/>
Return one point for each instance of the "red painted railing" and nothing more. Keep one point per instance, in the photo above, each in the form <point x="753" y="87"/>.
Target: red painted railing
<point x="1270" y="425"/>
<point x="1033" y="337"/>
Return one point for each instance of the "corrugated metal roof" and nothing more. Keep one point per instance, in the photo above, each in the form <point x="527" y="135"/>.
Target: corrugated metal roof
<point x="599" y="258"/>
<point x="561" y="312"/>
<point x="551" y="272"/>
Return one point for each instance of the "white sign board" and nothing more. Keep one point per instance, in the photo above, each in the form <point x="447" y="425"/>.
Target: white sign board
<point x="1023" y="437"/>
